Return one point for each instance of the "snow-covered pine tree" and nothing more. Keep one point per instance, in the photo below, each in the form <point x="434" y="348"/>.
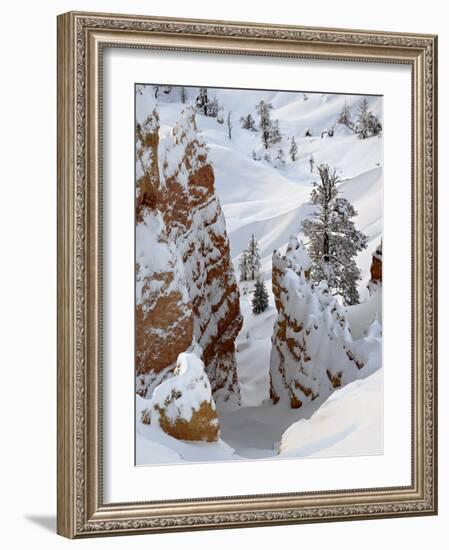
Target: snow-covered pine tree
<point x="243" y="265"/>
<point x="253" y="259"/>
<point x="374" y="125"/>
<point x="345" y="116"/>
<point x="334" y="239"/>
<point x="206" y="106"/>
<point x="280" y="157"/>
<point x="220" y="115"/>
<point x="202" y="101"/>
<point x="361" y="125"/>
<point x="293" y="149"/>
<point x="270" y="133"/>
<point x="367" y="124"/>
<point x="260" y="297"/>
<point x="274" y="133"/>
<point x="212" y="108"/>
<point x="248" y="122"/>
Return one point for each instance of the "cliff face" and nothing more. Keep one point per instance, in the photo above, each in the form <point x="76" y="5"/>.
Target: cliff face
<point x="313" y="351"/>
<point x="163" y="316"/>
<point x="186" y="290"/>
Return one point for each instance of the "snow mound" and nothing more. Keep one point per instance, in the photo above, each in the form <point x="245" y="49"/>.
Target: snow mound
<point x="349" y="423"/>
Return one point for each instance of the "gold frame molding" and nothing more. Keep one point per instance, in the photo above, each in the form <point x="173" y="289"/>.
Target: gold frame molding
<point x="81" y="38"/>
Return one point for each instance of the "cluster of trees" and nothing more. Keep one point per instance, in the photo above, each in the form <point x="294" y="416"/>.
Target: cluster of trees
<point x="205" y="105"/>
<point x="248" y="122"/>
<point x="209" y="107"/>
<point x="334" y="241"/>
<point x="250" y="266"/>
<point x="270" y="134"/>
<point x="365" y="125"/>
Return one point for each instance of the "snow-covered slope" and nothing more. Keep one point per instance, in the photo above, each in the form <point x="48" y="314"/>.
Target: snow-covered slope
<point x="269" y="199"/>
<point x="349" y="423"/>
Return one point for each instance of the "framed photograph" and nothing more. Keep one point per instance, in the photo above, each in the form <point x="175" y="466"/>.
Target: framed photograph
<point x="246" y="274"/>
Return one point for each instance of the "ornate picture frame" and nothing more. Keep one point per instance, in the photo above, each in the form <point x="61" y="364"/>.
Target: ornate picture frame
<point x="82" y="39"/>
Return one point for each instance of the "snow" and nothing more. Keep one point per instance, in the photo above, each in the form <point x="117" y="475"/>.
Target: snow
<point x="154" y="446"/>
<point x="154" y="255"/>
<point x="184" y="393"/>
<point x="349" y="423"/>
<point x="253" y="348"/>
<point x="145" y="103"/>
<point x="270" y="201"/>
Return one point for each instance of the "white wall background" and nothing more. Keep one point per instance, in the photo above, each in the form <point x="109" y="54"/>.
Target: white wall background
<point x="28" y="271"/>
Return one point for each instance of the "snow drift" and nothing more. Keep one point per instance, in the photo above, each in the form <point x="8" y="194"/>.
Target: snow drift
<point x="349" y="423"/>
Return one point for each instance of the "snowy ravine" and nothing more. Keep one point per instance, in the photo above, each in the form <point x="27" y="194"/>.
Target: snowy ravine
<point x="269" y="200"/>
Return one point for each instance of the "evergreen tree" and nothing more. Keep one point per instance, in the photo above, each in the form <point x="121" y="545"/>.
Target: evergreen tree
<point x="249" y="264"/>
<point x="367" y="124"/>
<point x="293" y="149"/>
<point x="205" y="105"/>
<point x="253" y="259"/>
<point x="248" y="122"/>
<point x="220" y="115"/>
<point x="345" y="117"/>
<point x="260" y="297"/>
<point x="243" y="266"/>
<point x="202" y="101"/>
<point x="212" y="108"/>
<point x="274" y="133"/>
<point x="374" y="125"/>
<point x="280" y="158"/>
<point x="334" y="239"/>
<point x="270" y="133"/>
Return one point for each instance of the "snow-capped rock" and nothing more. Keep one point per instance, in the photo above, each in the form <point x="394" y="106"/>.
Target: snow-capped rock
<point x="313" y="351"/>
<point x="184" y="271"/>
<point x="183" y="405"/>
